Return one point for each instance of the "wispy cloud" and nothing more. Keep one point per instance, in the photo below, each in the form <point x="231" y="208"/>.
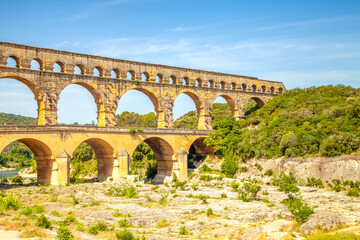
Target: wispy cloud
<point x="308" y="22"/>
<point x="198" y="27"/>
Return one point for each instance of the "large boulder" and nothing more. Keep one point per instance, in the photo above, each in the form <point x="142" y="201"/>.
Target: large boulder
<point x="323" y="220"/>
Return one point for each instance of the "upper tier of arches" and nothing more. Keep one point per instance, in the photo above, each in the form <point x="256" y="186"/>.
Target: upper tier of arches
<point x="128" y="73"/>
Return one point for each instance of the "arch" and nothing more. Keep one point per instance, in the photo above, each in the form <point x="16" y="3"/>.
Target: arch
<point x="58" y="67"/>
<point x="145" y="77"/>
<point x="263" y="89"/>
<point x="193" y="95"/>
<point x="159" y="78"/>
<point x="130" y="75"/>
<point x="96" y="96"/>
<point x="36" y="64"/>
<point x="280" y="90"/>
<point x="172" y="79"/>
<point x="104" y="154"/>
<point x="272" y="90"/>
<point x="28" y="83"/>
<point x="43" y="156"/>
<point x="211" y="84"/>
<point x="253" y="88"/>
<point x="243" y="87"/>
<point x="153" y="98"/>
<point x="79" y="69"/>
<point x="115" y="73"/>
<point x="200" y="146"/>
<point x="233" y="86"/>
<point x="13" y="61"/>
<point x="222" y="85"/>
<point x="98" y="72"/>
<point x="163" y="155"/>
<point x="258" y="101"/>
<point x="198" y="82"/>
<point x="185" y="81"/>
<point x="229" y="100"/>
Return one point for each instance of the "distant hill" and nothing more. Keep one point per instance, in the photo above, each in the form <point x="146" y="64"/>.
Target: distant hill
<point x="12" y="119"/>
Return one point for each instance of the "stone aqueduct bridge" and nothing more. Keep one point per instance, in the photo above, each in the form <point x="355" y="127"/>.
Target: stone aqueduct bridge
<point x="52" y="145"/>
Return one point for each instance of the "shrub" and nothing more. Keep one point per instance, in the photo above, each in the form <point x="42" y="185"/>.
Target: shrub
<point x="55" y="213"/>
<point x="205" y="168"/>
<point x="137" y="82"/>
<point x="353" y="192"/>
<point x="223" y="195"/>
<point x="125" y="235"/>
<point x="206" y="178"/>
<point x="269" y="172"/>
<point x="63" y="233"/>
<point x="93" y="230"/>
<point x="132" y="131"/>
<point x="17" y="180"/>
<point x="11" y="202"/>
<point x="123" y="223"/>
<point x="25" y="211"/>
<point x="80" y="227"/>
<point x="299" y="209"/>
<point x="38" y="208"/>
<point x="42" y="221"/>
<point x="286" y="183"/>
<point x="209" y="212"/>
<point x="243" y="169"/>
<point x="313" y="182"/>
<point x="235" y="185"/>
<point x="258" y="166"/>
<point x="183" y="231"/>
<point x="229" y="166"/>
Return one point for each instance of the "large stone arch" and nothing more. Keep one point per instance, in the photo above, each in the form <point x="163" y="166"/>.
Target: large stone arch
<point x="153" y="98"/>
<point x="200" y="146"/>
<point x="43" y="156"/>
<point x="104" y="154"/>
<point x="98" y="98"/>
<point x="229" y="99"/>
<point x="37" y="95"/>
<point x="195" y="97"/>
<point x="164" y="155"/>
<point x="260" y="102"/>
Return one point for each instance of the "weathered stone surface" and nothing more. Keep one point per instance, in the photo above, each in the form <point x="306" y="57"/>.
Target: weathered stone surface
<point x="323" y="220"/>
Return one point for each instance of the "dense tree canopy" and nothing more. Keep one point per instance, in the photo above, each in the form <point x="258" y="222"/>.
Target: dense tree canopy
<point x="301" y="122"/>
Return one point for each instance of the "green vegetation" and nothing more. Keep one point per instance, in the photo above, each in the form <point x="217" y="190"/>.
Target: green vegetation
<point x="129" y="192"/>
<point x="183" y="231"/>
<point x="17" y="154"/>
<point x="63" y="233"/>
<point x="229" y="166"/>
<point x="84" y="162"/>
<point x="301" y="122"/>
<point x="131" y="119"/>
<point x="286" y="183"/>
<point x="42" y="221"/>
<point x="299" y="209"/>
<point x="336" y="236"/>
<point x="11" y="119"/>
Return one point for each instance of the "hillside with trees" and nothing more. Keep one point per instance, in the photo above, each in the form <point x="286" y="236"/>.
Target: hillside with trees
<point x="322" y="121"/>
<point x="12" y="119"/>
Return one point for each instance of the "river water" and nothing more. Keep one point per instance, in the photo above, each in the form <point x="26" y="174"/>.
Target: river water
<point x="9" y="174"/>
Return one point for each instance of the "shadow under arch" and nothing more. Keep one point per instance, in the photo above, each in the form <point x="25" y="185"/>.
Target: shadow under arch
<point x="97" y="98"/>
<point x="43" y="157"/>
<point x="104" y="154"/>
<point x="198" y="150"/>
<point x="35" y="91"/>
<point x="163" y="155"/>
<point x="258" y="101"/>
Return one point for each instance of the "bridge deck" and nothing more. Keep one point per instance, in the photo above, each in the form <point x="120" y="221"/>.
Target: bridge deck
<point x="97" y="129"/>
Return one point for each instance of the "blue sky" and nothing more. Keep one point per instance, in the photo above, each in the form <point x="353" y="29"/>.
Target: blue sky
<point x="301" y="43"/>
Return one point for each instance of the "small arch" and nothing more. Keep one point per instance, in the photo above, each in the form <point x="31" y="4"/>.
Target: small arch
<point x="280" y="90"/>
<point x="145" y="77"/>
<point x="79" y="69"/>
<point x="159" y="78"/>
<point x="253" y="88"/>
<point x="210" y="84"/>
<point x="198" y="83"/>
<point x="13" y="61"/>
<point x="98" y="72"/>
<point x="114" y="73"/>
<point x="272" y="90"/>
<point x="233" y="86"/>
<point x="172" y="80"/>
<point x="263" y="89"/>
<point x="183" y="103"/>
<point x="222" y="85"/>
<point x="258" y="101"/>
<point x="200" y="147"/>
<point x="185" y="81"/>
<point x="130" y="75"/>
<point x="58" y="67"/>
<point x="243" y="87"/>
<point x="36" y="64"/>
<point x="229" y="101"/>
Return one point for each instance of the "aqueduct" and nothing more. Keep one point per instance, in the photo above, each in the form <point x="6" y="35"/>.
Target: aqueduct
<point x="108" y="79"/>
